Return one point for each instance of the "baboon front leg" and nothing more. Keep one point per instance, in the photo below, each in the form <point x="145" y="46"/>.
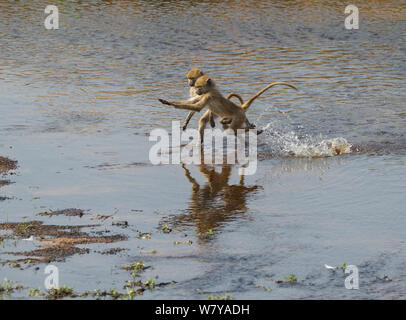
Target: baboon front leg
<point x="188" y="117"/>
<point x="196" y="107"/>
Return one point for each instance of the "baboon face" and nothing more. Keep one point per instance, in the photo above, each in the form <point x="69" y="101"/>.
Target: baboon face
<point x="191" y="82"/>
<point x="200" y="90"/>
<point x="202" y="85"/>
<point x="193" y="75"/>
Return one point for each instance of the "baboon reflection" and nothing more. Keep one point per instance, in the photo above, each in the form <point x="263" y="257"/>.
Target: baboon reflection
<point x="216" y="201"/>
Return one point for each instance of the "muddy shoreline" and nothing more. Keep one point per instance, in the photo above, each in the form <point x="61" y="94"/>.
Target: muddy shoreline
<point x="7" y="165"/>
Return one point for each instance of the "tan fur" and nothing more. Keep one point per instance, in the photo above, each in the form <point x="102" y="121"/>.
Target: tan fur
<point x="232" y="94"/>
<point x="232" y="115"/>
<point x="192" y="76"/>
<point x="194" y="73"/>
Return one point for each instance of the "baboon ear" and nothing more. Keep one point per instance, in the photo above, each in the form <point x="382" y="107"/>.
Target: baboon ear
<point x="209" y="82"/>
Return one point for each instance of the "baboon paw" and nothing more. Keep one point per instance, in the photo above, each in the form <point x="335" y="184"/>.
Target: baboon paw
<point x="164" y="102"/>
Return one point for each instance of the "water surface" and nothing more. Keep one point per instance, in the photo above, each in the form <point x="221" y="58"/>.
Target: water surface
<point x="78" y="105"/>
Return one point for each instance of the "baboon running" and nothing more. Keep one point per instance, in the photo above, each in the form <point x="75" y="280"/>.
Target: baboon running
<point x="192" y="76"/>
<point x="232" y="116"/>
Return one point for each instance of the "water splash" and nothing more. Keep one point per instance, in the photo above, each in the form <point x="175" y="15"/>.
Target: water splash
<point x="289" y="144"/>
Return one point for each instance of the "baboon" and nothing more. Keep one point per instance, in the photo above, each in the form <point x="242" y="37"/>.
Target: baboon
<point x="233" y="116"/>
<point x="192" y="76"/>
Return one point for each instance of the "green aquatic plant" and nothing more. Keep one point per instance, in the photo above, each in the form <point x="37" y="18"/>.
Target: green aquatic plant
<point x="291" y="278"/>
<point x="223" y="297"/>
<point x="131" y="293"/>
<point x="8" y="286"/>
<point x="23" y="228"/>
<point x="166" y="229"/>
<point x="60" y="292"/>
<point x="288" y="279"/>
<point x="142" y="235"/>
<point x="135" y="266"/>
<point x="264" y="288"/>
<point x="150" y="283"/>
<point x="45" y="213"/>
<point x="34" y="292"/>
<point x="343" y="267"/>
<point x="115" y="294"/>
<point x="189" y="242"/>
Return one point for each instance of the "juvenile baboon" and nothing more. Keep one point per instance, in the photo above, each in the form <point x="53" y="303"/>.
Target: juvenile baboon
<point x="233" y="116"/>
<point x="192" y="76"/>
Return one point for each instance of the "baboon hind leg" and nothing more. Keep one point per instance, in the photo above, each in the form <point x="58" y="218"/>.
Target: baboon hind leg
<point x="204" y="120"/>
<point x="211" y="118"/>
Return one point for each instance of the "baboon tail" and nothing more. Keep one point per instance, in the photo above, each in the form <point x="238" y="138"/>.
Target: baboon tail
<point x="236" y="95"/>
<point x="246" y="105"/>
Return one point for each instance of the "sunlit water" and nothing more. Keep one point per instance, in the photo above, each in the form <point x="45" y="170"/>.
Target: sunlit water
<point x="78" y="105"/>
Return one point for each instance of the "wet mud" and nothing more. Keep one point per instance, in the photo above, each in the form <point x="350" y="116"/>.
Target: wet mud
<point x="53" y="242"/>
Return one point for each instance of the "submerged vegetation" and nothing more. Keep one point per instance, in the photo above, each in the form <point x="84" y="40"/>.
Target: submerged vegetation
<point x="223" y="297"/>
<point x="8" y="287"/>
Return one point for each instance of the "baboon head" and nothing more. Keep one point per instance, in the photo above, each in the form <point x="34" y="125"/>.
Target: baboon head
<point x="193" y="75"/>
<point x="203" y="84"/>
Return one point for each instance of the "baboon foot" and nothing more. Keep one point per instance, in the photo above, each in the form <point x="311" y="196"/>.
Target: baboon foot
<point x="226" y="121"/>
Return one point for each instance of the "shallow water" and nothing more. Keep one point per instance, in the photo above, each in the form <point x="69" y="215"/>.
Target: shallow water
<point x="79" y="103"/>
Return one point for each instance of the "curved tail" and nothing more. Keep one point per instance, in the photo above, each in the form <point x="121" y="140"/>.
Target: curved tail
<point x="236" y="95"/>
<point x="246" y="105"/>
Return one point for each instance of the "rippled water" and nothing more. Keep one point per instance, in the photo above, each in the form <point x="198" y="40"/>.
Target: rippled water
<point x="78" y="104"/>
